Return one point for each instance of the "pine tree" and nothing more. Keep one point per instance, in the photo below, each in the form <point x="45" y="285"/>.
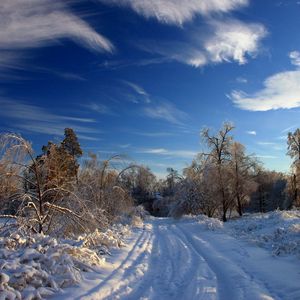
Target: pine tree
<point x="71" y="144"/>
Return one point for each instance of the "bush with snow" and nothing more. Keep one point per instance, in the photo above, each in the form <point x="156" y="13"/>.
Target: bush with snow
<point x="277" y="231"/>
<point x="209" y="223"/>
<point x="37" y="266"/>
<point x="135" y="216"/>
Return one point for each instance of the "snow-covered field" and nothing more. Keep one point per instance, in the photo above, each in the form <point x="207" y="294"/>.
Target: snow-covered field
<point x="255" y="257"/>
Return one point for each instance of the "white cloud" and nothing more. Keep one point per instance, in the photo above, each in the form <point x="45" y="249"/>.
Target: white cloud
<point x="241" y="80"/>
<point x="223" y="41"/>
<point x="60" y="74"/>
<point x="267" y="143"/>
<point x="155" y="151"/>
<point x="119" y="64"/>
<point x="266" y="156"/>
<point x="251" y="132"/>
<point x="153" y="134"/>
<point x="166" y="111"/>
<point x="272" y="145"/>
<point x="99" y="108"/>
<point x="233" y="41"/>
<point x="139" y="90"/>
<point x="32" y="118"/>
<point x="166" y="152"/>
<point x="35" y="23"/>
<point x="177" y="11"/>
<point x="125" y="146"/>
<point x="9" y="60"/>
<point x="295" y="58"/>
<point x="281" y="91"/>
<point x="190" y="53"/>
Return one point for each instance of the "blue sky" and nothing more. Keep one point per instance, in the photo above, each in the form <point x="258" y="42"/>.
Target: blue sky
<point x="142" y="78"/>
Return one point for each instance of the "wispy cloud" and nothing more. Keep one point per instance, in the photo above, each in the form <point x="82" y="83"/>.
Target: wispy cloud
<point x="289" y="128"/>
<point x="36" y="23"/>
<point x="31" y="118"/>
<point x="267" y="143"/>
<point x="166" y="152"/>
<point x="233" y="41"/>
<point x="99" y="108"/>
<point x="295" y="58"/>
<point x="60" y="74"/>
<point x="266" y="156"/>
<point x="119" y="64"/>
<point x="125" y="146"/>
<point x="153" y="134"/>
<point x="224" y="41"/>
<point x="138" y="90"/>
<point x="281" y="91"/>
<point x="166" y="111"/>
<point x="176" y="11"/>
<point x="251" y="132"/>
<point x="272" y="145"/>
<point x="242" y="80"/>
<point x="186" y="52"/>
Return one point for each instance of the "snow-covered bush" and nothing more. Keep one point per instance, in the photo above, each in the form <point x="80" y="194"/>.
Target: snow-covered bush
<point x="102" y="241"/>
<point x="278" y="231"/>
<point x="210" y="223"/>
<point x="37" y="266"/>
<point x="134" y="216"/>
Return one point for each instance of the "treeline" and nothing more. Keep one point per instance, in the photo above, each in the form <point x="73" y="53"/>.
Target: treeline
<point x="225" y="181"/>
<point x="61" y="193"/>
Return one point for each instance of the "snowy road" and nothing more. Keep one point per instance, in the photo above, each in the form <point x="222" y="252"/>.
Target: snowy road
<point x="169" y="259"/>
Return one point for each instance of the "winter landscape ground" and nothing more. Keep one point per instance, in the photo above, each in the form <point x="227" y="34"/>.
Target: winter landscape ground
<point x="256" y="257"/>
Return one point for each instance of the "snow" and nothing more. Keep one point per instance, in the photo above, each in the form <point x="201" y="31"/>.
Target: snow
<point x="202" y="258"/>
<point x="38" y="266"/>
<point x="277" y="231"/>
<point x="253" y="257"/>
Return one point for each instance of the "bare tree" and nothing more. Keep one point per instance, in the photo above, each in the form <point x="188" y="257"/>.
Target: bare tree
<point x="293" y="142"/>
<point x="199" y="189"/>
<point x="99" y="183"/>
<point x="242" y="169"/>
<point x="219" y="145"/>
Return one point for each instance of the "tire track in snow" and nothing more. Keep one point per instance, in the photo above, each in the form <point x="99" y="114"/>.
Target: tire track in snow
<point x="232" y="281"/>
<point x="159" y="271"/>
<point x="200" y="280"/>
<point x="175" y="271"/>
<point x="114" y="282"/>
<point x="171" y="259"/>
<point x="133" y="273"/>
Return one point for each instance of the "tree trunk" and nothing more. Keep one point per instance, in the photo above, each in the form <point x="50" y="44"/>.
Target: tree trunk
<point x="239" y="205"/>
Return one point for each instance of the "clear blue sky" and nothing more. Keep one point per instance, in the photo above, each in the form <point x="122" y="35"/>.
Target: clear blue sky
<point x="143" y="77"/>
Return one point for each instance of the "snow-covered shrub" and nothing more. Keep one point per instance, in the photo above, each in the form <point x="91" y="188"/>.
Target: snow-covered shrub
<point x="134" y="216"/>
<point x="102" y="241"/>
<point x="210" y="223"/>
<point x="278" y="231"/>
<point x="37" y="266"/>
